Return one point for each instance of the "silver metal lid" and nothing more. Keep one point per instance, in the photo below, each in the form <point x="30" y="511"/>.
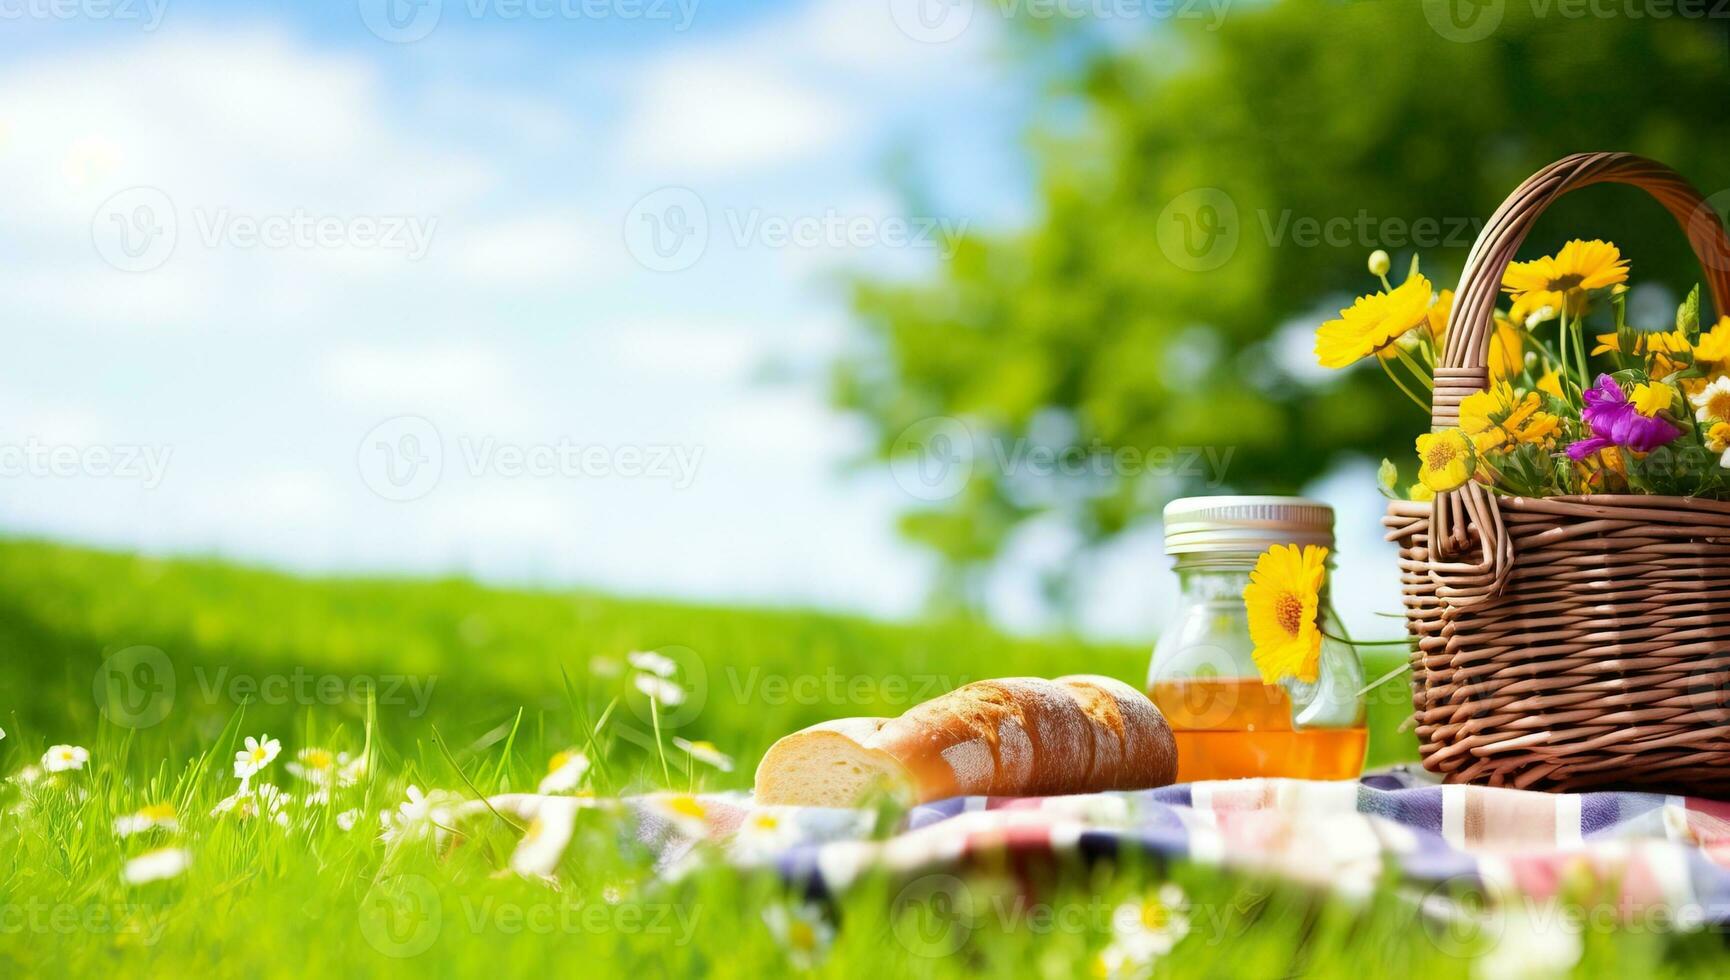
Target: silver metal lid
<point x="1220" y="525"/>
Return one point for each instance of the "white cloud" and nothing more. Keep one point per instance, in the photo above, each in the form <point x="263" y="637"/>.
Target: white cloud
<point x="530" y="250"/>
<point x="717" y="113"/>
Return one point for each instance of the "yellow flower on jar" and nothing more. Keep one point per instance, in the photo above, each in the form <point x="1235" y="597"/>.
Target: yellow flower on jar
<point x="1446" y="460"/>
<point x="1281" y="599"/>
<point x="1373" y="323"/>
<point x="1562" y="281"/>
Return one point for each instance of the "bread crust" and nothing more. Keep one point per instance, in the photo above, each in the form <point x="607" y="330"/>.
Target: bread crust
<point x="1018" y="736"/>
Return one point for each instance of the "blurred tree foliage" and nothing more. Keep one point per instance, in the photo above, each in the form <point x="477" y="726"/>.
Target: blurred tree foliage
<point x="1139" y="310"/>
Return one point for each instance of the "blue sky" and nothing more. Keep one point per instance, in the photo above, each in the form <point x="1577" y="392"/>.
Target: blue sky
<point x="465" y="259"/>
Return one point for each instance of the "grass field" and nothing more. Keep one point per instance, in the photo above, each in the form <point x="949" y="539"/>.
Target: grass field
<point x="160" y="668"/>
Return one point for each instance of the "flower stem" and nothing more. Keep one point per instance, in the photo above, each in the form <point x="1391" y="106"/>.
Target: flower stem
<point x="1401" y="384"/>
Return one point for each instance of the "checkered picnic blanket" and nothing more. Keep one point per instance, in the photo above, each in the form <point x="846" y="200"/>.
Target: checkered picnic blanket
<point x="1641" y="851"/>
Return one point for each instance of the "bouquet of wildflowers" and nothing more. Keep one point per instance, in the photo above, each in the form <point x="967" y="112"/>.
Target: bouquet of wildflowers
<point x="1580" y="399"/>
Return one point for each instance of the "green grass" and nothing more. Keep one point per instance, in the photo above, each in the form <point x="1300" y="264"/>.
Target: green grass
<point x="453" y="684"/>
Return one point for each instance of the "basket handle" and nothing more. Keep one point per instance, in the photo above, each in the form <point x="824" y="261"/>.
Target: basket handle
<point x="1460" y="515"/>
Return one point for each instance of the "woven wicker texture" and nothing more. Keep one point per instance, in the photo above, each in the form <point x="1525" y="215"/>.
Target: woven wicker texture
<point x="1567" y="642"/>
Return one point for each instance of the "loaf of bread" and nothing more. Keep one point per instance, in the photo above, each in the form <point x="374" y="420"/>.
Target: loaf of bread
<point x="1020" y="736"/>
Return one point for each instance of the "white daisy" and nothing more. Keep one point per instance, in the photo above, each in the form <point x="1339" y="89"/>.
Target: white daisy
<point x="1119" y="962"/>
<point x="764" y="833"/>
<point x="315" y="765"/>
<point x="1153" y="925"/>
<point x="146" y="818"/>
<point x="544" y="842"/>
<point x="706" y="752"/>
<point x="156" y="865"/>
<point x="1527" y="949"/>
<point x="253" y="801"/>
<point x="658" y="664"/>
<point x="1712" y="403"/>
<point x="259" y="752"/>
<point x="420" y="813"/>
<point x="565" y="772"/>
<point x="28" y="776"/>
<point x="687" y="814"/>
<point x="350" y="771"/>
<point x="802" y="932"/>
<point x="346" y="819"/>
<point x="62" y="758"/>
<point x="662" y="691"/>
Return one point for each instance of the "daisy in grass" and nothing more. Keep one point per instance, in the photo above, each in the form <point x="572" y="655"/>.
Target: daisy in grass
<point x="659" y="690"/>
<point x="1153" y="925"/>
<point x="802" y="931"/>
<point x="1445" y="460"/>
<point x="1283" y="595"/>
<point x="764" y="833"/>
<point x="417" y="815"/>
<point x="259" y="753"/>
<point x="65" y="758"/>
<point x="706" y="753"/>
<point x="147" y="818"/>
<point x="250" y="802"/>
<point x="654" y="663"/>
<point x="1564" y="280"/>
<point x="1373" y="323"/>
<point x="685" y="813"/>
<point x="565" y="772"/>
<point x="157" y="865"/>
<point x="319" y="767"/>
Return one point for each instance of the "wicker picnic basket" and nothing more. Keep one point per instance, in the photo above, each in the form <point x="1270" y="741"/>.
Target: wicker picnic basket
<point x="1567" y="643"/>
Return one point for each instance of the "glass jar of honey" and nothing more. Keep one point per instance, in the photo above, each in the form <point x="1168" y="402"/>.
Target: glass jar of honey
<point x="1227" y="722"/>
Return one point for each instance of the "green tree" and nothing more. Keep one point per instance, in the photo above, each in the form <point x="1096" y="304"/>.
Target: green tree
<point x="1218" y="200"/>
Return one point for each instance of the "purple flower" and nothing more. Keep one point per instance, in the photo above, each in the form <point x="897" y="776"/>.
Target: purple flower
<point x="1615" y="422"/>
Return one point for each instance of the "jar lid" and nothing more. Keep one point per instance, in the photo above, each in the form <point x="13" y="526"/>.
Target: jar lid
<point x="1218" y="525"/>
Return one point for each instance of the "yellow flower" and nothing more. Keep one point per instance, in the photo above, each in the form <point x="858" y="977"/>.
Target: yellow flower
<point x="1551" y="383"/>
<point x="1447" y="460"/>
<point x="1438" y="314"/>
<point x="1655" y="344"/>
<point x="1651" y="398"/>
<point x="1373" y="323"/>
<point x="1497" y="419"/>
<point x="1562" y="281"/>
<point x="1718" y="437"/>
<point x="1714" y="344"/>
<point x="1282" y="597"/>
<point x="1420" y="493"/>
<point x="1528" y="311"/>
<point x="1507" y="350"/>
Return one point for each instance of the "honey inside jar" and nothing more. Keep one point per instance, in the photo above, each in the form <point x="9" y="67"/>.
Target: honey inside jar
<point x="1238" y="727"/>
